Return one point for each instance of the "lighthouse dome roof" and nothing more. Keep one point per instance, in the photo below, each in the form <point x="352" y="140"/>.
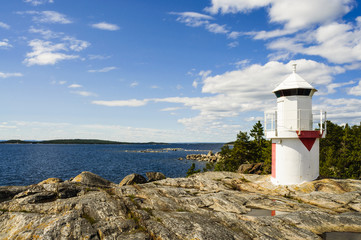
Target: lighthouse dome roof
<point x="294" y="81"/>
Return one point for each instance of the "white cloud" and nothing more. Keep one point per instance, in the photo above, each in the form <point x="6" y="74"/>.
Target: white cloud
<point x="235" y="35"/>
<point x="122" y="103"/>
<point x="194" y="19"/>
<point x="280" y="55"/>
<point x="353" y="66"/>
<point x="47" y="34"/>
<point x="106" y="26"/>
<point x="48" y="17"/>
<point x="241" y="63"/>
<point x="293" y="15"/>
<point x="7" y="127"/>
<point x="52" y="17"/>
<point x="75" y="44"/>
<point x="233" y="44"/>
<point x="331" y="87"/>
<point x="192" y="15"/>
<point x="7" y="75"/>
<point x="253" y="119"/>
<point x="244" y="90"/>
<point x="270" y="34"/>
<point x="98" y="57"/>
<point x="308" y="12"/>
<point x="356" y="90"/>
<point x="337" y="42"/>
<point x="5" y="43"/>
<point x="4" y="25"/>
<point x="170" y="109"/>
<point x="216" y="28"/>
<point x="49" y="53"/>
<point x="75" y="86"/>
<point x="46" y="53"/>
<point x="234" y="6"/>
<point x="134" y="84"/>
<point x="319" y="29"/>
<point x="85" y="93"/>
<point x="62" y="82"/>
<point x="72" y="43"/>
<point x="38" y="2"/>
<point x="342" y="110"/>
<point x="106" y="69"/>
<point x="204" y="73"/>
<point x="257" y="81"/>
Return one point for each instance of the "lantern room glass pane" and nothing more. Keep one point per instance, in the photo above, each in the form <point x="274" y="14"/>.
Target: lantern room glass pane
<point x="293" y="92"/>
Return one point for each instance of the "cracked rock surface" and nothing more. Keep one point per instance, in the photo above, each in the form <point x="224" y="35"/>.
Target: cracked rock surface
<point x="211" y="205"/>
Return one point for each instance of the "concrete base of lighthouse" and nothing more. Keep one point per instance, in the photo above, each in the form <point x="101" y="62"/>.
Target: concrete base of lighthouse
<point x="293" y="162"/>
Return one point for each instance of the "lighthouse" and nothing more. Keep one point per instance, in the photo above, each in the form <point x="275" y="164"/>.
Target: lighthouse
<point x="295" y="130"/>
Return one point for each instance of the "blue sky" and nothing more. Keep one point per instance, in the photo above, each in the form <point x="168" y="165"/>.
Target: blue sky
<point x="172" y="71"/>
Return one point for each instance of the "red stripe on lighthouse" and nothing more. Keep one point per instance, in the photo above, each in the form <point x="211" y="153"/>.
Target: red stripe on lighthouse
<point x="274" y="160"/>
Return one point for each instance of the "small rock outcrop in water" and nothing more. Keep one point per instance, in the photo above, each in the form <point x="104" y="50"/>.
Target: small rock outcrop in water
<point x="210" y="157"/>
<point x="211" y="205"/>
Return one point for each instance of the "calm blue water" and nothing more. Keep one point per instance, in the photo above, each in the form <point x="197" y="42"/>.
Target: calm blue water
<point x="25" y="164"/>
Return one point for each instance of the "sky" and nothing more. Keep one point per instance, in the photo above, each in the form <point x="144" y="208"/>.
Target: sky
<point x="167" y="70"/>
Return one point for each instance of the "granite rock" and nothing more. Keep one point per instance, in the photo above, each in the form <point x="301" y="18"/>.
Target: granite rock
<point x="91" y="179"/>
<point x="211" y="205"/>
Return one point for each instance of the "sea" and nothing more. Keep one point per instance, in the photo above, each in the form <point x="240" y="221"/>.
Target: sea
<point x="26" y="164"/>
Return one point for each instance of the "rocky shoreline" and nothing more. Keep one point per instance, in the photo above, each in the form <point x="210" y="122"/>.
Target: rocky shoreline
<point x="211" y="205"/>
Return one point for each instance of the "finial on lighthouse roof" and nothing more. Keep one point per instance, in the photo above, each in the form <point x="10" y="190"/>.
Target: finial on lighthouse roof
<point x="294" y="81"/>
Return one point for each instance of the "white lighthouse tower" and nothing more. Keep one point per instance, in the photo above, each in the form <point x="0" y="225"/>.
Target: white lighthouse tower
<point x="295" y="136"/>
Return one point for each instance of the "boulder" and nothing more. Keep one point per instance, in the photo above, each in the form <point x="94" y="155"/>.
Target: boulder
<point x="133" y="179"/>
<point x="155" y="176"/>
<point x="251" y="168"/>
<point x="91" y="179"/>
<point x="50" y="181"/>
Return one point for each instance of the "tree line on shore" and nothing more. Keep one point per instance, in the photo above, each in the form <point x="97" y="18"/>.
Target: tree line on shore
<point x="340" y="152"/>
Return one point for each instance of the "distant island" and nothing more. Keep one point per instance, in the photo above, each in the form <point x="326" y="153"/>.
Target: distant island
<point x="72" y="141"/>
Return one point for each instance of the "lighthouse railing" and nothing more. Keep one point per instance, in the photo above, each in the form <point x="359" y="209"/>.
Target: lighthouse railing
<point x="294" y="121"/>
<point x="270" y="122"/>
<point x="320" y="121"/>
